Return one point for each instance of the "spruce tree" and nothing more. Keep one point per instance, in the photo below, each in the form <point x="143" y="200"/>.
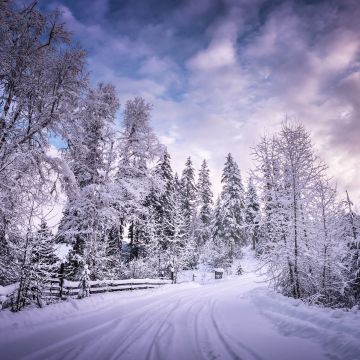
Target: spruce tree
<point x="229" y="223"/>
<point x="39" y="267"/>
<point x="204" y="205"/>
<point x="164" y="203"/>
<point x="220" y="251"/>
<point x="252" y="214"/>
<point x="188" y="192"/>
<point x="188" y="205"/>
<point x="181" y="252"/>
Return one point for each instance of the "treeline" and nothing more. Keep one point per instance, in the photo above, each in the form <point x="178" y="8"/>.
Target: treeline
<point x="127" y="214"/>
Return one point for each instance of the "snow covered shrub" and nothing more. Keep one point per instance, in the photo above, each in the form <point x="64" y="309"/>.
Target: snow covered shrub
<point x="141" y="268"/>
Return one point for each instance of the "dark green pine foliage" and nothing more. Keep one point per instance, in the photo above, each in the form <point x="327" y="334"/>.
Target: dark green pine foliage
<point x="229" y="215"/>
<point x="252" y="214"/>
<point x="204" y="203"/>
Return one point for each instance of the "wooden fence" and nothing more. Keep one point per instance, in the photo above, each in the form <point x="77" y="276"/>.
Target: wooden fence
<point x="63" y="289"/>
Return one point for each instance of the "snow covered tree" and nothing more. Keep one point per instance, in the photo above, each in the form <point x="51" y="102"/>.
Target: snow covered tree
<point x="92" y="139"/>
<point x="91" y="213"/>
<point x="164" y="203"/>
<point x="188" y="192"/>
<point x="188" y="204"/>
<point x="138" y="149"/>
<point x="39" y="266"/>
<point x="181" y="251"/>
<point x="289" y="176"/>
<point x="41" y="77"/>
<point x="252" y="214"/>
<point x="229" y="223"/>
<point x="43" y="265"/>
<point x="325" y="246"/>
<point x="204" y="204"/>
<point x="219" y="252"/>
<point x="352" y="261"/>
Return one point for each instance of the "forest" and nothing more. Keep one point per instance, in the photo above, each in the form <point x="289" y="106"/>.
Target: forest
<point x="127" y="214"/>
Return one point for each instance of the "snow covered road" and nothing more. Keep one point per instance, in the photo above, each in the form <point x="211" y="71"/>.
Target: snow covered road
<point x="226" y="319"/>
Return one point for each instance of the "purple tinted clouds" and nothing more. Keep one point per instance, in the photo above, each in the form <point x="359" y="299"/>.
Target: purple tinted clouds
<point x="220" y="74"/>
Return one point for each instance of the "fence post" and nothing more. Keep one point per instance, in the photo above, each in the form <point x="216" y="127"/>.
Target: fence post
<point x="84" y="283"/>
<point x="61" y="278"/>
<point x="218" y="273"/>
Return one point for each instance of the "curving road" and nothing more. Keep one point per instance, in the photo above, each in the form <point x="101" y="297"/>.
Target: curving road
<point x="227" y="319"/>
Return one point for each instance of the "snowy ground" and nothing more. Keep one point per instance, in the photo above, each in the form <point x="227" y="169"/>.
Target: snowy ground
<point x="225" y="319"/>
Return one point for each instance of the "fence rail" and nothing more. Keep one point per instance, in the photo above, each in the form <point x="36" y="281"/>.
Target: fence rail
<point x="68" y="288"/>
<point x="57" y="288"/>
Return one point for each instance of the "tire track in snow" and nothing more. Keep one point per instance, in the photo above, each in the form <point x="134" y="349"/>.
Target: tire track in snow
<point x="106" y="328"/>
<point x="154" y="346"/>
<point x="227" y="344"/>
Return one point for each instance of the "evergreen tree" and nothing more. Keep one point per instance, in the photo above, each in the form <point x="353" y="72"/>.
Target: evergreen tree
<point x="188" y="206"/>
<point x="181" y="251"/>
<point x="42" y="78"/>
<point x="220" y="251"/>
<point x="165" y="204"/>
<point x="188" y="192"/>
<point x="39" y="267"/>
<point x="229" y="224"/>
<point x="204" y="205"/>
<point x="252" y="214"/>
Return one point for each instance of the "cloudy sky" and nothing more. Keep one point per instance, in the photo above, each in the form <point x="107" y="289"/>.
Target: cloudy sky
<point x="222" y="73"/>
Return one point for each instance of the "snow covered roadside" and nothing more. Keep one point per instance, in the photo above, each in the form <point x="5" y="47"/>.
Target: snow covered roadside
<point x="5" y="291"/>
<point x="237" y="318"/>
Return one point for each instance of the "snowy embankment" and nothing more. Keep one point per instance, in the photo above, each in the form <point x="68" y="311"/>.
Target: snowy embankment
<point x="6" y="291"/>
<point x="235" y="318"/>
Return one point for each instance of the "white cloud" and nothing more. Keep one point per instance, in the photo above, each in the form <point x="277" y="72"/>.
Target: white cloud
<point x="218" y="55"/>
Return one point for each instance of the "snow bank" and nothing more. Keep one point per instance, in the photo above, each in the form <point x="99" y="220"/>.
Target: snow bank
<point x="5" y="291"/>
